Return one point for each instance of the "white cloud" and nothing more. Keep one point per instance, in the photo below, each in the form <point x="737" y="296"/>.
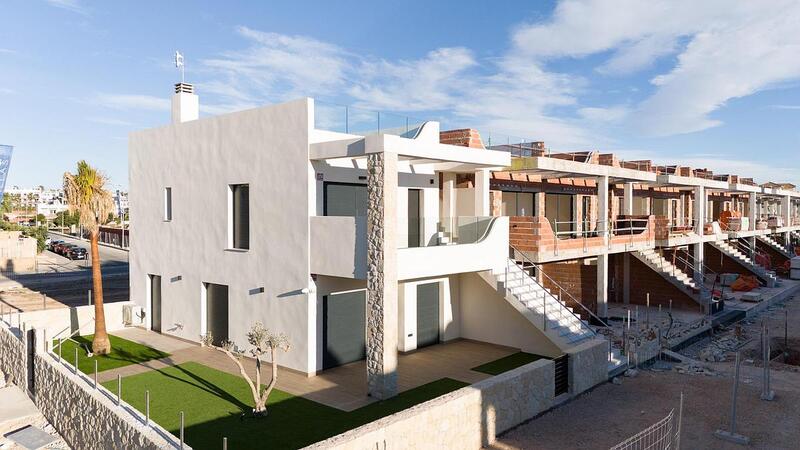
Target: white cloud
<point x="733" y="49"/>
<point x="69" y="5"/>
<point x="110" y="121"/>
<point x="792" y="107"/>
<point x="133" y="102"/>
<point x="277" y="67"/>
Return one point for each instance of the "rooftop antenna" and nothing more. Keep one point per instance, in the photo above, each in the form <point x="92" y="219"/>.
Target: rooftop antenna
<point x="179" y="64"/>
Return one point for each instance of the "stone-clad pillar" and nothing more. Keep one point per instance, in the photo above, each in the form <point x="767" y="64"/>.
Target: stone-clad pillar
<point x="382" y="275"/>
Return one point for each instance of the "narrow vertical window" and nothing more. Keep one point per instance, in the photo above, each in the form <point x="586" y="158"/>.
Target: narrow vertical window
<point x="240" y="216"/>
<point x="168" y="203"/>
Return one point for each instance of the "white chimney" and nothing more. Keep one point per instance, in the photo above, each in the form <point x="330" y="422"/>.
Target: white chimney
<point x="185" y="103"/>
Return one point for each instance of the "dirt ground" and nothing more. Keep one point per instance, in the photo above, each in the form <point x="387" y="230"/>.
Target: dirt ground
<point x="611" y="413"/>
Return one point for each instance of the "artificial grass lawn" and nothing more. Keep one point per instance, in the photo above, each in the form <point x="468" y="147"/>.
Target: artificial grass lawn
<point x="507" y="363"/>
<point x="213" y="401"/>
<point x="123" y="353"/>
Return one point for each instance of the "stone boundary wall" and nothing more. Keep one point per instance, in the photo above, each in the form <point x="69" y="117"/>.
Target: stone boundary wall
<point x="12" y="357"/>
<point x="588" y="365"/>
<point x="472" y="417"/>
<point x="85" y="417"/>
<point x="468" y="418"/>
<point x="88" y="418"/>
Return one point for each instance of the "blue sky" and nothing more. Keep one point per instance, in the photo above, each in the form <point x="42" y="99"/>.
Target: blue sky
<point x="709" y="84"/>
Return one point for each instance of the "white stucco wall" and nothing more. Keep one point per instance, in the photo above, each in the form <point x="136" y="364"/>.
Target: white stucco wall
<point x="266" y="148"/>
<point x="486" y="316"/>
<point x="407" y="311"/>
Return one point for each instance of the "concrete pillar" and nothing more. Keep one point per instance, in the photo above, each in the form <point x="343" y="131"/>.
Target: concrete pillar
<point x="482" y="206"/>
<point x="603" y="226"/>
<point x="786" y="211"/>
<point x="752" y="210"/>
<point x="626" y="278"/>
<point x="700" y="223"/>
<point x="627" y="200"/>
<point x="752" y="243"/>
<point x="602" y="285"/>
<point x="382" y="275"/>
<point x="448" y="195"/>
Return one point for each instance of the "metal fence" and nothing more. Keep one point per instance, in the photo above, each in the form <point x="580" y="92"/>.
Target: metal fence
<point x="662" y="435"/>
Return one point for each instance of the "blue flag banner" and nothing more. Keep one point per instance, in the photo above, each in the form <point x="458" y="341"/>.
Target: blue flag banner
<point x="5" y="163"/>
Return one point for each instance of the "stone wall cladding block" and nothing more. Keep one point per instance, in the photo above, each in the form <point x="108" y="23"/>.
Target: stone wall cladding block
<point x="381" y="277"/>
<point x="87" y="418"/>
<point x="12" y="357"/>
<point x="469" y="418"/>
<point x="588" y="365"/>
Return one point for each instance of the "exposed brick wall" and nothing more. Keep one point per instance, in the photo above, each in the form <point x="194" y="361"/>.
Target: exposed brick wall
<point x="534" y="234"/>
<point x="466" y="138"/>
<point x="721" y="263"/>
<point x="645" y="280"/>
<point x="578" y="279"/>
<point x="496" y="203"/>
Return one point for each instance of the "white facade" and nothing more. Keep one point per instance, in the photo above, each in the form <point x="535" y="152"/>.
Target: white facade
<point x="180" y="178"/>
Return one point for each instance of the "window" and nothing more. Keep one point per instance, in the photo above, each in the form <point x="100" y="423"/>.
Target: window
<point x="518" y="204"/>
<point x="239" y="225"/>
<point x="168" y="204"/>
<point x="345" y="200"/>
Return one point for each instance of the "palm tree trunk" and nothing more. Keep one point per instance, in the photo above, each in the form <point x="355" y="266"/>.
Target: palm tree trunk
<point x="100" y="345"/>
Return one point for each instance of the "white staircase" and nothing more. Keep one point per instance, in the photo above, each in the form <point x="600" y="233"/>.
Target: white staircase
<point x="741" y="258"/>
<point x="555" y="319"/>
<point x="677" y="277"/>
<point x="775" y="245"/>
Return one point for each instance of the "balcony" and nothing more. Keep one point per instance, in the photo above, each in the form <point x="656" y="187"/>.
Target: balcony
<point x="443" y="247"/>
<point x="536" y="237"/>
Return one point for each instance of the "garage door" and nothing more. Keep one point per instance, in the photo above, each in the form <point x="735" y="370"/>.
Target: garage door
<point x="427" y="314"/>
<point x="343" y="328"/>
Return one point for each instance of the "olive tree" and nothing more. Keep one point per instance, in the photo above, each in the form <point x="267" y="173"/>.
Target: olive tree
<point x="262" y="342"/>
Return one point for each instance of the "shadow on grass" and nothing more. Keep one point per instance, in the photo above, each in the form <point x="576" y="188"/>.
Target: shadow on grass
<point x="212" y="402"/>
<point x="123" y="353"/>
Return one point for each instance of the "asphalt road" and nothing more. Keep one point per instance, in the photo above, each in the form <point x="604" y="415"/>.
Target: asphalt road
<point x="69" y="281"/>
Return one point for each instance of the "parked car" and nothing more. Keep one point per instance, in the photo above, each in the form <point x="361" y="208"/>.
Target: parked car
<point x="53" y="244"/>
<point x="59" y="248"/>
<point x="76" y="253"/>
<point x="64" y="248"/>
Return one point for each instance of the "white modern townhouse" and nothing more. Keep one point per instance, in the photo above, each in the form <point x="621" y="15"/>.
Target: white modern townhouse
<point x="364" y="236"/>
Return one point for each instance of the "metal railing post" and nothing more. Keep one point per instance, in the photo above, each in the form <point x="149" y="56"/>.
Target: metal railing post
<point x="60" y="348"/>
<point x="75" y="369"/>
<point x="119" y="389"/>
<point x="95" y="374"/>
<point x="766" y="392"/>
<point x="181" y="429"/>
<point x="147" y="407"/>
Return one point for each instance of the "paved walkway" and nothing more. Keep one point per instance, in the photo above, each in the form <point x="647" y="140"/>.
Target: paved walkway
<point x="343" y="387"/>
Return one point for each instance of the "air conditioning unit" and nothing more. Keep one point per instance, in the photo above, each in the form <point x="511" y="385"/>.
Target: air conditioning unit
<point x="127" y="315"/>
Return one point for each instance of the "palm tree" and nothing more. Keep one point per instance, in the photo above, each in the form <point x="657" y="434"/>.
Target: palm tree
<point x="85" y="192"/>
